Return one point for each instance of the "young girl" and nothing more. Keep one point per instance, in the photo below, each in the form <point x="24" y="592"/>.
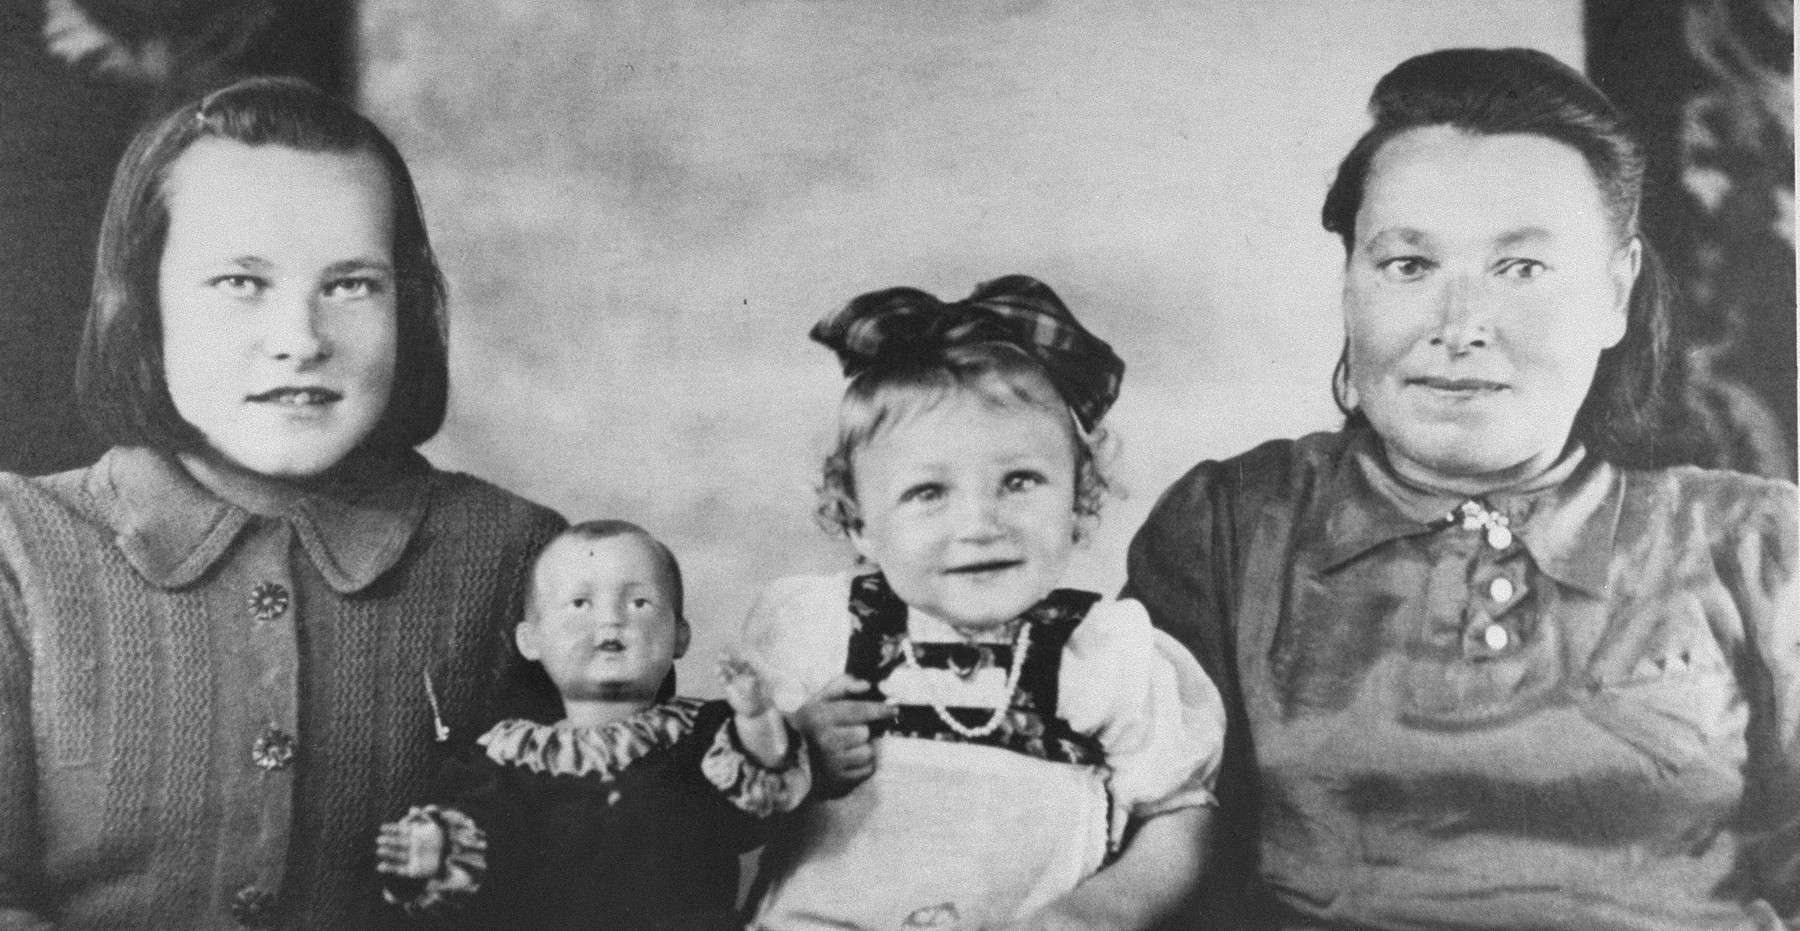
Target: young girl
<point x="214" y="640"/>
<point x="1031" y="729"/>
<point x="630" y="812"/>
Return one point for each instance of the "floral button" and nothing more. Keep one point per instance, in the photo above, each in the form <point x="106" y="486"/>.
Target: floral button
<point x="273" y="749"/>
<point x="268" y="601"/>
<point x="252" y="906"/>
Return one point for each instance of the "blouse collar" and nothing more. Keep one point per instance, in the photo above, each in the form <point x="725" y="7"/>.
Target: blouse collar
<point x="603" y="749"/>
<point x="1565" y="518"/>
<point x="173" y="529"/>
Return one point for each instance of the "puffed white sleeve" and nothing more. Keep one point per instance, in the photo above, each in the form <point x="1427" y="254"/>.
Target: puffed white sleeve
<point x="797" y="635"/>
<point x="1155" y="712"/>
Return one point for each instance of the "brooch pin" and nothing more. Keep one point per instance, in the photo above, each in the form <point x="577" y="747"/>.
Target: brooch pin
<point x="1472" y="516"/>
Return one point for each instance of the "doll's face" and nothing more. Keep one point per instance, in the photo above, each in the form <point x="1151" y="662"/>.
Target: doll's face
<point x="605" y="624"/>
<point x="968" y="505"/>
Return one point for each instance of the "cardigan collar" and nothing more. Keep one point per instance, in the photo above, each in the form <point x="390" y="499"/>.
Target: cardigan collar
<point x="173" y="528"/>
<point x="1566" y="518"/>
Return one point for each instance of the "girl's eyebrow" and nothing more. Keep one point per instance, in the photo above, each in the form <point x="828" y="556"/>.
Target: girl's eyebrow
<point x="348" y="266"/>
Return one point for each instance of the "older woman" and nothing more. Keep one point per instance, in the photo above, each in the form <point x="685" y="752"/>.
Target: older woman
<point x="227" y="647"/>
<point x="1480" y="674"/>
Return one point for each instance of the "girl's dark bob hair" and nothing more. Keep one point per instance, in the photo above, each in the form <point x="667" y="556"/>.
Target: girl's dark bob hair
<point x="1524" y="91"/>
<point x="119" y="378"/>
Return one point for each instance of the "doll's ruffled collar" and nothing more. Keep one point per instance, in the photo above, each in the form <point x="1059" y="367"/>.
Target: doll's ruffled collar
<point x="605" y="750"/>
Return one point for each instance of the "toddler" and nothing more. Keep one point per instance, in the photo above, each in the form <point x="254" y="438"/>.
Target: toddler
<point x="630" y="812"/>
<point x="1028" y="729"/>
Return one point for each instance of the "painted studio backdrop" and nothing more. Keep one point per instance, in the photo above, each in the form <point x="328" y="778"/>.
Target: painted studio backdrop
<point x="642" y="207"/>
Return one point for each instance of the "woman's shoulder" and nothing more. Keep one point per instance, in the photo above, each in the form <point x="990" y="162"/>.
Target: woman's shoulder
<point x="1218" y="490"/>
<point x="1729" y="508"/>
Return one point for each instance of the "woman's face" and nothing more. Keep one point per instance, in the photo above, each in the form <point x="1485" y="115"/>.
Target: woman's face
<point x="1484" y="283"/>
<point x="276" y="293"/>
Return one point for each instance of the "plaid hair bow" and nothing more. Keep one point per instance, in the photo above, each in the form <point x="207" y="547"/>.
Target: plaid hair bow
<point x="902" y="326"/>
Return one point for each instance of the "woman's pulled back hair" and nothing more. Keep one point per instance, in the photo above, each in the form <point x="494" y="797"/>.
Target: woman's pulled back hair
<point x="119" y="374"/>
<point x="1512" y="91"/>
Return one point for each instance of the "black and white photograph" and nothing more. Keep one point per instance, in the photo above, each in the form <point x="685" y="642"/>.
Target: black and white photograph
<point x="898" y="465"/>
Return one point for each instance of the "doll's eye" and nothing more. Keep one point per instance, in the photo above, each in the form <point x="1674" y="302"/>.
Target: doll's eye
<point x="642" y="603"/>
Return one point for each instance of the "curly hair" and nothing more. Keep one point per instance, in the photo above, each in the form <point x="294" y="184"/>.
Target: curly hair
<point x="999" y="373"/>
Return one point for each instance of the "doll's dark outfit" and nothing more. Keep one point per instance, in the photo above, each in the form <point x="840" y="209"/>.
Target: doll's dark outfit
<point x="636" y="824"/>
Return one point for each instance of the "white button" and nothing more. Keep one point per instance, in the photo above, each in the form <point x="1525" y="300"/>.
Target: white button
<point x="1501" y="589"/>
<point x="1494" y="637"/>
<point x="1498" y="537"/>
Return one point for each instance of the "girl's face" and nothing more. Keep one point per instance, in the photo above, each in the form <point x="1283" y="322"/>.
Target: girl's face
<point x="276" y="295"/>
<point x="1484" y="283"/>
<point x="968" y="506"/>
<point x="606" y="626"/>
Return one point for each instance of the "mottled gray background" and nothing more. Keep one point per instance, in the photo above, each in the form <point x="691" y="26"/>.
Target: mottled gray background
<point x="642" y="207"/>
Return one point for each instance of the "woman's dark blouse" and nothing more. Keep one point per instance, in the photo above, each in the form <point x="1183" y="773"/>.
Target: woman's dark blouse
<point x="1591" y="720"/>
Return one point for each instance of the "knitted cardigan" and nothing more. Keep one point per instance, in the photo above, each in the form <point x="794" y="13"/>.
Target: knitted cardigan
<point x="205" y="714"/>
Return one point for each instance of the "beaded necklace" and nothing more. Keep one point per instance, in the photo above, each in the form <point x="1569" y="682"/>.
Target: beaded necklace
<point x="1021" y="643"/>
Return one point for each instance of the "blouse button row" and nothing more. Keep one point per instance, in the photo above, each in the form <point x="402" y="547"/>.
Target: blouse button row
<point x="273" y="749"/>
<point x="268" y="601"/>
<point x="1501" y="589"/>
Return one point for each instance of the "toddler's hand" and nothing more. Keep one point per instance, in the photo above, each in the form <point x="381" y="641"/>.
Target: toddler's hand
<point x="412" y="847"/>
<point x="836" y="725"/>
<point x="744" y="687"/>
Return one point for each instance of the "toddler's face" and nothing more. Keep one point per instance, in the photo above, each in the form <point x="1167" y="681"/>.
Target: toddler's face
<point x="607" y="627"/>
<point x="968" y="507"/>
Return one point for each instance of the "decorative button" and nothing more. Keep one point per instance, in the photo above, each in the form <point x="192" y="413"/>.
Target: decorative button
<point x="274" y="749"/>
<point x="1495" y="637"/>
<point x="1499" y="536"/>
<point x="252" y="905"/>
<point x="268" y="601"/>
<point x="1501" y="589"/>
